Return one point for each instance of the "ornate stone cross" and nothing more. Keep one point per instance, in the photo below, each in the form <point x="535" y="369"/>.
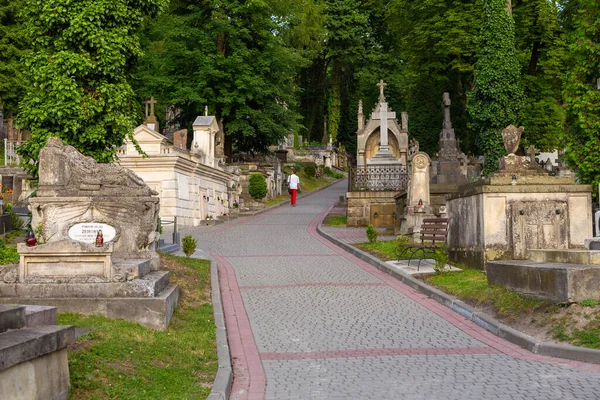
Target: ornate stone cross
<point x="383" y="116"/>
<point x="446" y="102"/>
<point x="152" y="102"/>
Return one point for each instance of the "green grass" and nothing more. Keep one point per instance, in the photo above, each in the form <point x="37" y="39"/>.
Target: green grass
<point x="123" y="360"/>
<point x="471" y="285"/>
<point x="385" y="250"/>
<point x="335" y="220"/>
<point x="277" y="200"/>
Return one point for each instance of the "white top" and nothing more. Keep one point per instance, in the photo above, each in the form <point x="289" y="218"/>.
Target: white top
<point x="293" y="181"/>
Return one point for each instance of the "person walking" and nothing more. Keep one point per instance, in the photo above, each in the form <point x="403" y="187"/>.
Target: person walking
<point x="293" y="185"/>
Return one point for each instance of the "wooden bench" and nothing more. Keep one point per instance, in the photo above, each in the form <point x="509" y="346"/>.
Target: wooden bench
<point x="433" y="236"/>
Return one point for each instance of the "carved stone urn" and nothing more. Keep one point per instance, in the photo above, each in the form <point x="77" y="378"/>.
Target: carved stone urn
<point x="511" y="136"/>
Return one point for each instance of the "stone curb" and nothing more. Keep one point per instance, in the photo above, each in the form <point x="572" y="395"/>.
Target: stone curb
<point x="483" y="320"/>
<point x="224" y="378"/>
<point x="301" y="196"/>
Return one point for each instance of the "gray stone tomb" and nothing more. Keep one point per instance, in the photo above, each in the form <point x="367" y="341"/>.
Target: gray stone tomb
<point x="77" y="197"/>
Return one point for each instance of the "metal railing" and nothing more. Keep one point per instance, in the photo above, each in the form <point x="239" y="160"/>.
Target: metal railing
<point x="378" y="178"/>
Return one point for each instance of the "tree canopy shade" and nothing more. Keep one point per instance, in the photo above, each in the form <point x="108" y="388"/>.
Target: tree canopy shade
<point x="582" y="97"/>
<point x="236" y="57"/>
<point x="82" y="54"/>
<point x="12" y="44"/>
<point x="497" y="97"/>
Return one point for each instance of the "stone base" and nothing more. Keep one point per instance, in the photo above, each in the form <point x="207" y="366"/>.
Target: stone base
<point x="592" y="244"/>
<point x="573" y="256"/>
<point x="553" y="282"/>
<point x="152" y="312"/>
<point x="33" y="353"/>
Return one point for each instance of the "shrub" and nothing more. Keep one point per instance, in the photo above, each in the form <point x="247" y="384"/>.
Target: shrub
<point x="188" y="244"/>
<point x="310" y="170"/>
<point x="327" y="171"/>
<point x="441" y="259"/>
<point x="371" y="234"/>
<point x="257" y="186"/>
<point x="16" y="221"/>
<point x="298" y="167"/>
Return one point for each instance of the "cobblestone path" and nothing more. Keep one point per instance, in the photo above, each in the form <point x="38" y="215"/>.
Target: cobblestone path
<point x="306" y="320"/>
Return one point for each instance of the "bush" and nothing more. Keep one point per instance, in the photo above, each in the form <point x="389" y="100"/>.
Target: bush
<point x="327" y="171"/>
<point x="371" y="234"/>
<point x="257" y="186"/>
<point x="310" y="170"/>
<point x="441" y="259"/>
<point x="15" y="220"/>
<point x="188" y="244"/>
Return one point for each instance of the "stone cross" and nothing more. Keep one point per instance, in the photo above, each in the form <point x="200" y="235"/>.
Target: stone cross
<point x="205" y="111"/>
<point x="381" y="85"/>
<point x="383" y="116"/>
<point x="152" y="102"/>
<point x="532" y="150"/>
<point x="360" y="107"/>
<point x="446" y="102"/>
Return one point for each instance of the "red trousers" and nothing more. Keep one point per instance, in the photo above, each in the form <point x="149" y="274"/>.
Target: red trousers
<point x="294" y="191"/>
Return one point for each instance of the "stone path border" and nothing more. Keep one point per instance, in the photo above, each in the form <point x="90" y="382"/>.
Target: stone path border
<point x="483" y="320"/>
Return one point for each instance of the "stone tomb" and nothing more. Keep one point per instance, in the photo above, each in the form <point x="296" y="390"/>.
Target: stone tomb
<point x="516" y="210"/>
<point x="76" y="198"/>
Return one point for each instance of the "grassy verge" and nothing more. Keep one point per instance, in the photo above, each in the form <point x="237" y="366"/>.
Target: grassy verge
<point x="472" y="286"/>
<point x="385" y="250"/>
<point x="335" y="220"/>
<point x="119" y="359"/>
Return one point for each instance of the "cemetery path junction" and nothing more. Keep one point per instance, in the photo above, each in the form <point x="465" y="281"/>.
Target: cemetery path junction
<point x="307" y="320"/>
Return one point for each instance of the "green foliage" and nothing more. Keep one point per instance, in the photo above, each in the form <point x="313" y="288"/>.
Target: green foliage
<point x="82" y="54"/>
<point x="188" y="245"/>
<point x="257" y="186"/>
<point x="582" y="98"/>
<point x="310" y="170"/>
<point x="590" y="303"/>
<point x="329" y="172"/>
<point x="12" y="45"/>
<point x="371" y="234"/>
<point x="335" y="220"/>
<point x="237" y="57"/>
<point x="15" y="220"/>
<point x="8" y="253"/>
<point x="498" y="95"/>
<point x="441" y="259"/>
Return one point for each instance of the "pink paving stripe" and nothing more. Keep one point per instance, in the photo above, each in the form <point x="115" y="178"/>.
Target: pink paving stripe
<point x="249" y="375"/>
<point x="422" y="351"/>
<point x="313" y="284"/>
<point x="465" y="325"/>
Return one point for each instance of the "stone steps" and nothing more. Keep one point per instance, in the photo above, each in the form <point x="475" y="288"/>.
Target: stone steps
<point x="570" y="256"/>
<point x="12" y="317"/>
<point x="132" y="268"/>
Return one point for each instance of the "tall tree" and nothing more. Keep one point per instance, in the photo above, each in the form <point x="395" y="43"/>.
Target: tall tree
<point x="82" y="55"/>
<point x="236" y="57"/>
<point x="12" y="44"/>
<point x="541" y="48"/>
<point x="497" y="97"/>
<point x="581" y="94"/>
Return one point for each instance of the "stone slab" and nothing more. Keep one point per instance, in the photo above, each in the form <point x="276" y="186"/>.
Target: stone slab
<point x="148" y="286"/>
<point x="41" y="315"/>
<point x="12" y="317"/>
<point x="553" y="282"/>
<point x="42" y="378"/>
<point x="152" y="312"/>
<point x="25" y="344"/>
<point x="572" y="256"/>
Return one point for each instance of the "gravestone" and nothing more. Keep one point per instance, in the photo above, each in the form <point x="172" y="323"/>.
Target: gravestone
<point x="76" y="198"/>
<point x="418" y="204"/>
<point x="451" y="161"/>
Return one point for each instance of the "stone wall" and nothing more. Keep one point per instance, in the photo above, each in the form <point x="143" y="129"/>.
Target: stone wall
<point x="361" y="205"/>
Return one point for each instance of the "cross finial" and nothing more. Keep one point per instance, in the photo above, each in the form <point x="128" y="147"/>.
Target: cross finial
<point x="381" y="85"/>
<point x="152" y="102"/>
<point x="532" y="150"/>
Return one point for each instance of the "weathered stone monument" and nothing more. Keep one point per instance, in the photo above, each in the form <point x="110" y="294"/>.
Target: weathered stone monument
<point x="381" y="170"/>
<point x="77" y="199"/>
<point x="516" y="210"/>
<point x="451" y="161"/>
<point x="418" y="204"/>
